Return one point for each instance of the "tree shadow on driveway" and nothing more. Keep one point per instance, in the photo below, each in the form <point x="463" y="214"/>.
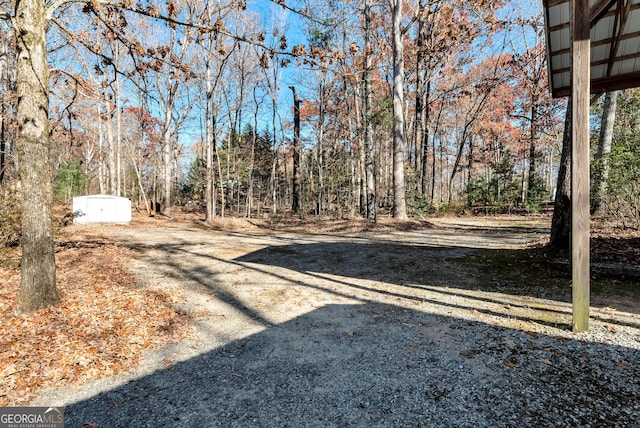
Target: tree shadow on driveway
<point x="397" y="338"/>
<point x="376" y="364"/>
<point x="523" y="284"/>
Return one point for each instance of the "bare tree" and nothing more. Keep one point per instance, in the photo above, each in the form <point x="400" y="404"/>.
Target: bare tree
<point x="7" y="80"/>
<point x="31" y="19"/>
<point x="370" y="178"/>
<point x="561" y="222"/>
<point x="604" y="149"/>
<point x="295" y="194"/>
<point x="399" y="143"/>
<point x="168" y="91"/>
<point x="38" y="282"/>
<point x="216" y="56"/>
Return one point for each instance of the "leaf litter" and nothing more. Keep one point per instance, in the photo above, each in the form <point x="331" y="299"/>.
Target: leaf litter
<point x="101" y="327"/>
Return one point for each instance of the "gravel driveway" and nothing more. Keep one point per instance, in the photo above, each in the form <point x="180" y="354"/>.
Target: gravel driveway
<point x="390" y="329"/>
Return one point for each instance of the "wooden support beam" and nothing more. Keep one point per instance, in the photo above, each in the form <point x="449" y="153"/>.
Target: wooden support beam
<point x="580" y="216"/>
<point x="599" y="8"/>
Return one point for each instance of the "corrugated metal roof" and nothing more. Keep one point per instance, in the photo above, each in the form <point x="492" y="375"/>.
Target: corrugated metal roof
<point x="615" y="45"/>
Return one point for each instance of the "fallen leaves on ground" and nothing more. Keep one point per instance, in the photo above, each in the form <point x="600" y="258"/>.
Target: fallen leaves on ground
<point x="615" y="244"/>
<point x="103" y="323"/>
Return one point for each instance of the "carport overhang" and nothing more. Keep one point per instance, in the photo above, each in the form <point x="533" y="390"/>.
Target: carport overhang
<point x="593" y="46"/>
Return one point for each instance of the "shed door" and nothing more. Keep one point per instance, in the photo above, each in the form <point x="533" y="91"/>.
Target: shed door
<point x="104" y="210"/>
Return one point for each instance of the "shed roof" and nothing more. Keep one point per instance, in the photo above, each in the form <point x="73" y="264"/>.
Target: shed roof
<point x="615" y="45"/>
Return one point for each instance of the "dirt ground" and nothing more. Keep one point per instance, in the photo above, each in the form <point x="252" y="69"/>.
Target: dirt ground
<point x="459" y="284"/>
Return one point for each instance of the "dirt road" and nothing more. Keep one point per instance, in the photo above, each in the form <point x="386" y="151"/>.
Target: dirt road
<point x="385" y="328"/>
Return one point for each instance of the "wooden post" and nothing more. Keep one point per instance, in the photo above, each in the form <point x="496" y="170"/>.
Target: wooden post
<point x="580" y="215"/>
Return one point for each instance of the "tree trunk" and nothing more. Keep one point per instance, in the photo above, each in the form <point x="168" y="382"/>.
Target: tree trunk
<point x="274" y="190"/>
<point x="295" y="194"/>
<point x="424" y="181"/>
<point x="102" y="179"/>
<point x="370" y="177"/>
<point x="604" y="148"/>
<point x="456" y="164"/>
<point x="470" y="171"/>
<point x="210" y="189"/>
<point x="3" y="144"/>
<point x="420" y="128"/>
<point x="423" y="93"/>
<point x="120" y="185"/>
<point x="434" y="157"/>
<point x="154" y="184"/>
<point x="274" y="130"/>
<point x="561" y="222"/>
<point x="532" y="158"/>
<point x="143" y="193"/>
<point x="112" y="147"/>
<point x="209" y="176"/>
<point x="167" y="138"/>
<point x="211" y="111"/>
<point x="166" y="160"/>
<point x="322" y="191"/>
<point x="3" y="110"/>
<point x="399" y="143"/>
<point x="223" y="200"/>
<point x="362" y="184"/>
<point x="38" y="283"/>
<point x="254" y="142"/>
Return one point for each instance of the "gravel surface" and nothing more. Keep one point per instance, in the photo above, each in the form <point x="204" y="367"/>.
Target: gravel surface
<point x="388" y="329"/>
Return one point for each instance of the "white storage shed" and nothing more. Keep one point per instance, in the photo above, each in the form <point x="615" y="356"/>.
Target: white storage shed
<point x="101" y="209"/>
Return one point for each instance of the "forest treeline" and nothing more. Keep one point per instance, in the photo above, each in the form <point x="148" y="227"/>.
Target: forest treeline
<point x="398" y="107"/>
<point x="479" y="125"/>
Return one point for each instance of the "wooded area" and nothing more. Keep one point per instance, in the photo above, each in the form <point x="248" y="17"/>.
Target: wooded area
<point x="404" y="108"/>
